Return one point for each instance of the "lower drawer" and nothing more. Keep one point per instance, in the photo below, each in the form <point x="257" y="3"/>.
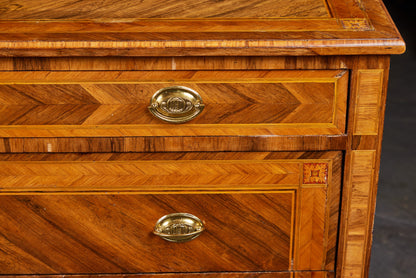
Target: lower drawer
<point x="282" y="217"/>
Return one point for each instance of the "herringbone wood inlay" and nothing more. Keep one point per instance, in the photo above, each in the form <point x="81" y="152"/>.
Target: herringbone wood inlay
<point x="115" y="103"/>
<point x="146" y="176"/>
<point x="312" y="238"/>
<point x="86" y="44"/>
<point x="69" y="196"/>
<point x="227" y="101"/>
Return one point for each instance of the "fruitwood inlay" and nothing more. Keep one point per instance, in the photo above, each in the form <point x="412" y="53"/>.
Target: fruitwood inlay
<point x="367" y="115"/>
<point x="147" y="176"/>
<point x="311" y="232"/>
<point x="357" y="197"/>
<point x="315" y="173"/>
<point x="113" y="233"/>
<point x="332" y="214"/>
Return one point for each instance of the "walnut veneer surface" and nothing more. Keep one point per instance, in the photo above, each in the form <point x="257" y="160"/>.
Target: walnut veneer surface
<point x="281" y="165"/>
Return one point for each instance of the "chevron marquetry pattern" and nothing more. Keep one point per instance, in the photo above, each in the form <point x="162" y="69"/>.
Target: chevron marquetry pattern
<point x="226" y="103"/>
<point x="50" y="234"/>
<point x="94" y="213"/>
<point x="114" y="103"/>
<point x="311" y="228"/>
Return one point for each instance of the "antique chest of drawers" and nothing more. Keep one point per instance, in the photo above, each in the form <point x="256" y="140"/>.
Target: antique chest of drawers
<point x="191" y="138"/>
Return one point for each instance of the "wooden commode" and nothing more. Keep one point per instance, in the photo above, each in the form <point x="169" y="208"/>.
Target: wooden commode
<point x="203" y="138"/>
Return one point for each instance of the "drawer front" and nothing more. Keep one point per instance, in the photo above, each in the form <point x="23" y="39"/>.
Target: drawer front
<point x="283" y="218"/>
<point x="113" y="233"/>
<point x="116" y="103"/>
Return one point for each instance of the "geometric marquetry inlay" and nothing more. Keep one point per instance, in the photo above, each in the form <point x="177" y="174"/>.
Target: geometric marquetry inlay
<point x="367" y="109"/>
<point x="358" y="205"/>
<point x="315" y="173"/>
<point x="60" y="202"/>
<point x="356" y="24"/>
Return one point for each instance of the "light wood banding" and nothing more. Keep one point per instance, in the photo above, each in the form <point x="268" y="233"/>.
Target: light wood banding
<point x="356" y="202"/>
<point x="367" y="115"/>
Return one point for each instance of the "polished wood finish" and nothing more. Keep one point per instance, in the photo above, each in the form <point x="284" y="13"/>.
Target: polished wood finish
<point x="275" y="140"/>
<point x="361" y="168"/>
<point x="75" y="10"/>
<point x="157" y="172"/>
<point x="266" y="183"/>
<point x="368" y="107"/>
<point x="333" y="27"/>
<point x="122" y="98"/>
<point x="113" y="233"/>
<point x="168" y="143"/>
<point x="303" y="274"/>
<point x="357" y="210"/>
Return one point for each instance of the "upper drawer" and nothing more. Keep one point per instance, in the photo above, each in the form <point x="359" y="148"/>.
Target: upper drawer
<point x="67" y="104"/>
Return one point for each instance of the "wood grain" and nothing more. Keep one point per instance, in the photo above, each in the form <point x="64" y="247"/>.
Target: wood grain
<point x="158" y="175"/>
<point x="356" y="205"/>
<point x="176" y="275"/>
<point x="234" y="101"/>
<point x="311" y="237"/>
<point x="145" y="156"/>
<point x="358" y="264"/>
<point x="126" y="10"/>
<point x="303" y="274"/>
<point x="49" y="211"/>
<point x="368" y="107"/>
<point x="113" y="233"/>
<point x="46" y="70"/>
<point x="176" y="63"/>
<point x="226" y="103"/>
<point x="311" y="275"/>
<point x="336" y="168"/>
<point x="359" y="27"/>
<point x="146" y="176"/>
<point x="173" y="143"/>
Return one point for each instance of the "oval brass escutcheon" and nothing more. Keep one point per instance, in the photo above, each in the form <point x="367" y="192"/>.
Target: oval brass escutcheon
<point x="178" y="227"/>
<point x="176" y="104"/>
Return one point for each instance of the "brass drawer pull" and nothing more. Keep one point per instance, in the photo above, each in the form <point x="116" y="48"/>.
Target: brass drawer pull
<point x="176" y="104"/>
<point x="179" y="227"/>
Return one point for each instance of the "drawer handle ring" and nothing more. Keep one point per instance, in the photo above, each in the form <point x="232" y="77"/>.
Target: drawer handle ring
<point x="179" y="227"/>
<point x="176" y="104"/>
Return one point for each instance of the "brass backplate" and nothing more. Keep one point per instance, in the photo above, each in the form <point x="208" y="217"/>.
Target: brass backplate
<point x="179" y="227"/>
<point x="176" y="104"/>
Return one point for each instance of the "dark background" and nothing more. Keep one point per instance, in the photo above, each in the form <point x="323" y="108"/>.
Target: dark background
<point x="394" y="245"/>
